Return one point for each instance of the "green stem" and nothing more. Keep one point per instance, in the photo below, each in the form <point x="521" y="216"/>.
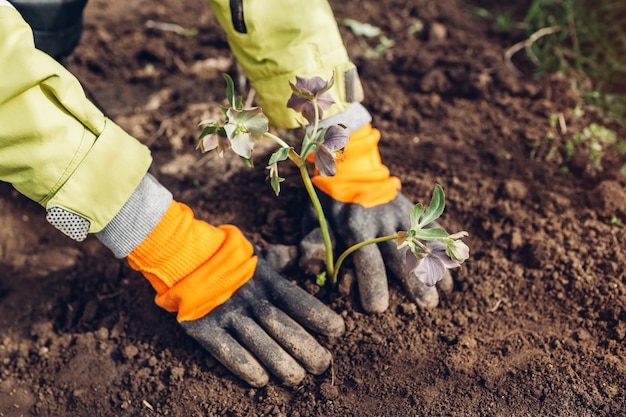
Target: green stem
<point x="276" y="139"/>
<point x="421" y="245"/>
<point x="305" y="150"/>
<point x="308" y="185"/>
<point x="353" y="248"/>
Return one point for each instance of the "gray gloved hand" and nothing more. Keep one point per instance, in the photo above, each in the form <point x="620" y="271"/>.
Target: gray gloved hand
<point x="353" y="223"/>
<point x="260" y="330"/>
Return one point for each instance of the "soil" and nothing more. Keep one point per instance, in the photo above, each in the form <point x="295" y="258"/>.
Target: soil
<point x="536" y="321"/>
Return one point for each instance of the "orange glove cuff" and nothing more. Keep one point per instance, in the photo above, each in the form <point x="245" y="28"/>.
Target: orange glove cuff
<point x="193" y="266"/>
<point x="361" y="177"/>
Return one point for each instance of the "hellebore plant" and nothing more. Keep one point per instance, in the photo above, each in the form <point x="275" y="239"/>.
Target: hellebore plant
<point x="429" y="250"/>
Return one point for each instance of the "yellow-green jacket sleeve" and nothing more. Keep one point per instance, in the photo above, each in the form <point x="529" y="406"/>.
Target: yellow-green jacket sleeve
<point x="276" y="40"/>
<point x="56" y="147"/>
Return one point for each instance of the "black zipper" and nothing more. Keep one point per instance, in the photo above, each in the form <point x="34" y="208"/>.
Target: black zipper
<point x="236" y="12"/>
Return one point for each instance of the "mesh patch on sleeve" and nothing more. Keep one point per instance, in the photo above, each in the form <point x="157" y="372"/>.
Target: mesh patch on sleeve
<point x="73" y="225"/>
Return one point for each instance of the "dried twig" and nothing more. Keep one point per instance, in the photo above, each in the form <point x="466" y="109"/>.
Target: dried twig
<point x="527" y="45"/>
<point x="169" y="27"/>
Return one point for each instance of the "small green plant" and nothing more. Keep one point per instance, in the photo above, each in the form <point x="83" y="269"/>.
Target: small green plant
<point x="430" y="250"/>
<point x="561" y="144"/>
<point x="504" y="21"/>
<point x="583" y="38"/>
<point x="365" y="30"/>
<point x="597" y="139"/>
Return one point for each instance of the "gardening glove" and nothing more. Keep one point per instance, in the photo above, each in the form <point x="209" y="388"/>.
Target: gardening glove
<point x="227" y="298"/>
<point x="361" y="199"/>
<point x="361" y="202"/>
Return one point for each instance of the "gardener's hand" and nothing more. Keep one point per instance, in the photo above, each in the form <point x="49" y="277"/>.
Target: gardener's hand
<point x="259" y="329"/>
<point x="229" y="299"/>
<point x="354" y="223"/>
<point x="361" y="202"/>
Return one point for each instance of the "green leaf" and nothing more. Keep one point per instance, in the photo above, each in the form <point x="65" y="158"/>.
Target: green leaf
<point x="275" y="181"/>
<point x="435" y="209"/>
<point x="360" y="28"/>
<point x="279" y="155"/>
<point x="230" y="89"/>
<point x="321" y="279"/>
<point x="431" y="234"/>
<point x="209" y="130"/>
<point x="209" y="122"/>
<point x="416" y="213"/>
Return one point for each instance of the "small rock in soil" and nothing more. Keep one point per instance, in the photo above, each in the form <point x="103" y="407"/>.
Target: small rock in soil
<point x="608" y="197"/>
<point x="281" y="257"/>
<point x="328" y="391"/>
<point x="130" y="351"/>
<point x="515" y="190"/>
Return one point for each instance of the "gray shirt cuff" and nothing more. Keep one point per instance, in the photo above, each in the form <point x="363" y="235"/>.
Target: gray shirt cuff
<point x="137" y="218"/>
<point x="354" y="117"/>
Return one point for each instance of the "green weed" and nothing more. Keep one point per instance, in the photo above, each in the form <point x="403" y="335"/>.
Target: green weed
<point x="585" y="38"/>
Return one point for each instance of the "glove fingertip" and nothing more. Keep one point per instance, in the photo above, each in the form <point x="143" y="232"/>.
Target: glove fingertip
<point x="336" y="326"/>
<point x="374" y="304"/>
<point x="257" y="381"/>
<point x="295" y="378"/>
<point x="446" y="284"/>
<point x="321" y="365"/>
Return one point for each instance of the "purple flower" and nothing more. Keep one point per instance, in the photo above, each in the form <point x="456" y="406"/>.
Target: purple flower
<point x="335" y="138"/>
<point x="431" y="267"/>
<point x="308" y="93"/>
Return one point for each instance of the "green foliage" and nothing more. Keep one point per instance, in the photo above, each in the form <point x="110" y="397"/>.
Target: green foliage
<point x="594" y="140"/>
<point x="587" y="40"/>
<point x="365" y="30"/>
<point x="504" y="21"/>
<point x="598" y="138"/>
<point x="587" y="37"/>
<point x="310" y="97"/>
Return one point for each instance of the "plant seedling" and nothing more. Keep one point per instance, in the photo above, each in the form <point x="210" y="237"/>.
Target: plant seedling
<point x="429" y="250"/>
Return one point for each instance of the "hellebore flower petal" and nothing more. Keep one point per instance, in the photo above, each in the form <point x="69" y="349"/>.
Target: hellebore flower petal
<point x="324" y="101"/>
<point x="250" y="120"/>
<point x="296" y="103"/>
<point x="242" y="144"/>
<point x="411" y="261"/>
<point x="209" y="142"/>
<point x="458" y="251"/>
<point x="325" y="161"/>
<point x="308" y="111"/>
<point x="430" y="270"/>
<point x="255" y="122"/>
<point x="309" y="93"/>
<point x="335" y="138"/>
<point x="310" y="85"/>
<point x="223" y="145"/>
<point x="437" y="249"/>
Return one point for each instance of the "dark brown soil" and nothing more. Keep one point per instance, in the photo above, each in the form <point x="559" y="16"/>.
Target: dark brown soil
<point x="535" y="324"/>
